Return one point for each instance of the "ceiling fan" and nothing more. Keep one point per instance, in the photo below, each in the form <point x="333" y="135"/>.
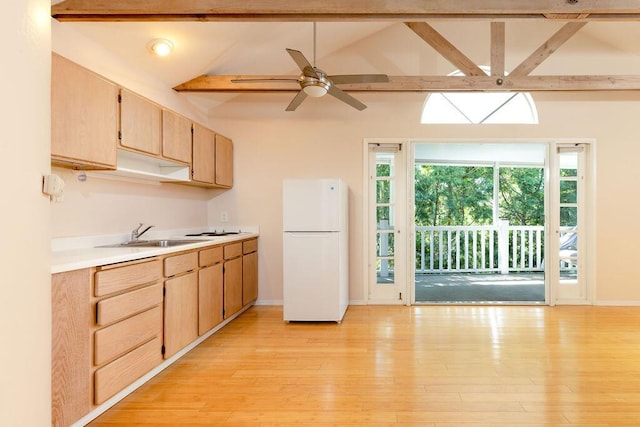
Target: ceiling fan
<point x="316" y="83"/>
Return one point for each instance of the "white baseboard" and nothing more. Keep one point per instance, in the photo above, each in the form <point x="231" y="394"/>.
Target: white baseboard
<point x="280" y="302"/>
<point x="624" y="303"/>
<point x="269" y="302"/>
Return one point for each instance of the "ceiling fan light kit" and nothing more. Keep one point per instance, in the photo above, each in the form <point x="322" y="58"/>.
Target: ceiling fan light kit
<point x="315" y="88"/>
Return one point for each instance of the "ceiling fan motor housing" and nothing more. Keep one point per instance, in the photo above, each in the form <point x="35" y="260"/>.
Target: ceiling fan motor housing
<point x="315" y="87"/>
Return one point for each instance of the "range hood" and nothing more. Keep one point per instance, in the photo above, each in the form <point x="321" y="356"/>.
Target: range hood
<point x="147" y="168"/>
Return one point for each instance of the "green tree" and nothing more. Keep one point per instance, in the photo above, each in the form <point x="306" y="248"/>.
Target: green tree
<point x="522" y="195"/>
<point x="453" y="195"/>
<point x="463" y="195"/>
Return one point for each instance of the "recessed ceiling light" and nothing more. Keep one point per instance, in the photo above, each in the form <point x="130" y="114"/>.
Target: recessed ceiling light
<point x="161" y="47"/>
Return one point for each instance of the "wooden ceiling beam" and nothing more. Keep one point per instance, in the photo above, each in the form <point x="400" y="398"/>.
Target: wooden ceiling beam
<point x="497" y="48"/>
<point x="223" y="83"/>
<point x="340" y="10"/>
<point x="547" y="48"/>
<point x="427" y="33"/>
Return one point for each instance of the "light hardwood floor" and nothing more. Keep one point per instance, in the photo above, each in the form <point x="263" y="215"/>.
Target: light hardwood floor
<point x="409" y="366"/>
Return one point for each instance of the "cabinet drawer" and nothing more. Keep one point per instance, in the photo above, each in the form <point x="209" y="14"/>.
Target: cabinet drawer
<point x="121" y="337"/>
<point x="211" y="256"/>
<point x="115" y="376"/>
<point x="115" y="308"/>
<point x="249" y="246"/>
<point x="180" y="263"/>
<point x="233" y="250"/>
<point x="118" y="279"/>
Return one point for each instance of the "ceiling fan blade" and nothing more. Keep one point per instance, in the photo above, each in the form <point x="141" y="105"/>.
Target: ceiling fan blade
<point x="359" y="78"/>
<point x="263" y="80"/>
<point x="345" y="97"/>
<point x="304" y="65"/>
<point x="296" y="101"/>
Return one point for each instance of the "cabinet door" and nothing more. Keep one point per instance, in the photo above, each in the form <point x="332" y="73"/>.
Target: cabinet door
<point x="71" y="387"/>
<point x="140" y="123"/>
<point x="176" y="137"/>
<point x="224" y="161"/>
<point x="203" y="163"/>
<point x="210" y="297"/>
<point x="249" y="278"/>
<point x="232" y="286"/>
<point x="180" y="312"/>
<point x="84" y="116"/>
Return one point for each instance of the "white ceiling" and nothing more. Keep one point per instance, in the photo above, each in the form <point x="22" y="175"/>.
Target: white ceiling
<point x="342" y="48"/>
<point x="222" y="47"/>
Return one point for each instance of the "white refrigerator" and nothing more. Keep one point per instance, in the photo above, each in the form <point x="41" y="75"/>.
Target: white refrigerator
<point x="315" y="249"/>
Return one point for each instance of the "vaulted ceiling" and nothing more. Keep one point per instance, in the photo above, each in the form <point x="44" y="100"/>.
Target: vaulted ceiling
<point x="416" y="43"/>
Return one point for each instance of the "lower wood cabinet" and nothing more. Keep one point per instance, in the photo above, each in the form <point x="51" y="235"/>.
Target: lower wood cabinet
<point x="232" y="279"/>
<point x="249" y="271"/>
<point x="113" y="324"/>
<point x="71" y="385"/>
<point x="180" y="312"/>
<point x="127" y="325"/>
<point x="210" y="297"/>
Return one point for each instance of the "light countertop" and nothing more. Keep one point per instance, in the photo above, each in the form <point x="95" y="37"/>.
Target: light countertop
<point x="83" y="253"/>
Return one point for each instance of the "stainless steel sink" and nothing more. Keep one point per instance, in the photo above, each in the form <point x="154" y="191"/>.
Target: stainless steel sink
<point x="151" y="243"/>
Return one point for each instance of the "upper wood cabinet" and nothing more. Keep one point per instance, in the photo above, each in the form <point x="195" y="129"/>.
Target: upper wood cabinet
<point x="224" y="161"/>
<point x="95" y="124"/>
<point x="212" y="163"/>
<point x="84" y="117"/>
<point x="176" y="136"/>
<point x="140" y="123"/>
<point x="203" y="162"/>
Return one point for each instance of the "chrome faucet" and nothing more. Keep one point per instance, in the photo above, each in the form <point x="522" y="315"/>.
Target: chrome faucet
<point x="136" y="233"/>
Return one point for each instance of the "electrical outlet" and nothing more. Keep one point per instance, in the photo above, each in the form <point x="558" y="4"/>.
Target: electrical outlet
<point x="224" y="216"/>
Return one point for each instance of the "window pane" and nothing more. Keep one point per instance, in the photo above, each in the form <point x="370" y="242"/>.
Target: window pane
<point x="385" y="244"/>
<point x="385" y="271"/>
<point x="568" y="216"/>
<point x="383" y="191"/>
<point x="437" y="109"/>
<point x="568" y="172"/>
<point x="478" y="107"/>
<point x="518" y="110"/>
<point x="568" y="192"/>
<point x="384" y="220"/>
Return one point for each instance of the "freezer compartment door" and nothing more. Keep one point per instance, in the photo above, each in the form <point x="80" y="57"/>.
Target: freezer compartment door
<point x="314" y="280"/>
<point x="314" y="205"/>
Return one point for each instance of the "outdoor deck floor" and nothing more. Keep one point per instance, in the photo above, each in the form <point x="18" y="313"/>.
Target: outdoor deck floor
<point x="480" y="287"/>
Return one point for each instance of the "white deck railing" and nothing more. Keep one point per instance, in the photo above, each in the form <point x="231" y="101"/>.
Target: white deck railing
<point x="502" y="248"/>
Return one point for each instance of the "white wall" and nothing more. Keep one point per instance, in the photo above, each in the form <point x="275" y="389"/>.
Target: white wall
<point x="25" y="313"/>
<point x="325" y="138"/>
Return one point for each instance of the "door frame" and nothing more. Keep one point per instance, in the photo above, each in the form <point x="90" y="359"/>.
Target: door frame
<point x="588" y="218"/>
<point x="404" y="227"/>
<point x="551" y="146"/>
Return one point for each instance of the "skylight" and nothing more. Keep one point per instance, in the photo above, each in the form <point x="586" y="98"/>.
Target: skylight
<point x="479" y="107"/>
